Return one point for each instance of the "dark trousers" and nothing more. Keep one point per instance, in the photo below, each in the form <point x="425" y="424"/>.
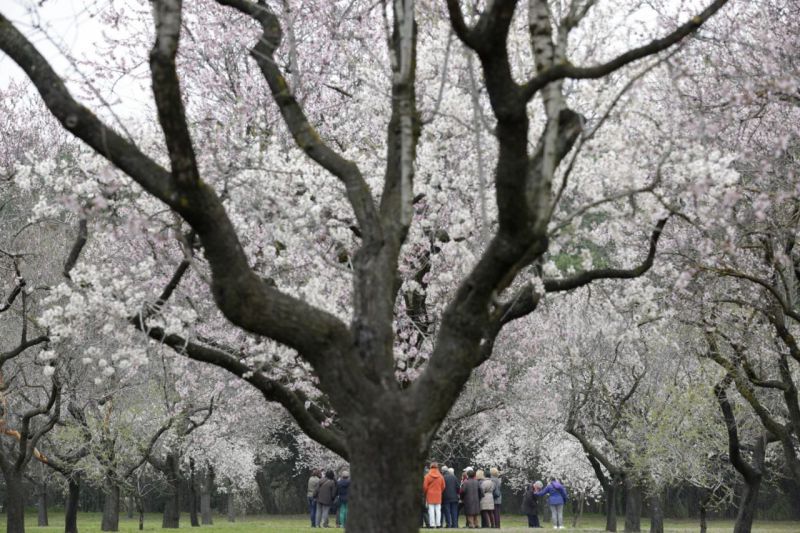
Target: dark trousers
<point x="533" y="520"/>
<point x="496" y="515"/>
<point x="312" y="510"/>
<point x="450" y="512"/>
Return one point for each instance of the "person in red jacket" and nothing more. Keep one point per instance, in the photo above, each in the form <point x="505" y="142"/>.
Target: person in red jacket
<point x="433" y="487"/>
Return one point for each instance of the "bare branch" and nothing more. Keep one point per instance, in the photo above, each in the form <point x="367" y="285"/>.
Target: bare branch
<point x="566" y="70"/>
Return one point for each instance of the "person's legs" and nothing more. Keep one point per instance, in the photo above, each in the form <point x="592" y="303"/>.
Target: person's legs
<point x="535" y="518"/>
<point x="323" y="520"/>
<point x="318" y="515"/>
<point x="437" y="515"/>
<point x="561" y="516"/>
<point x="497" y="515"/>
<point x="343" y="514"/>
<point x="453" y="514"/>
<point x="554" y="515"/>
<point x="312" y="510"/>
<point x="530" y="520"/>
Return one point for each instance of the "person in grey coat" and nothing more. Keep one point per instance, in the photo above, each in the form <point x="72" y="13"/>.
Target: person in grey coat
<point x="450" y="498"/>
<point x="497" y="494"/>
<point x="325" y="494"/>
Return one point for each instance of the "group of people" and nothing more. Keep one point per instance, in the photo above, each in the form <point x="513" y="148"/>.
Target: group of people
<point x="479" y="495"/>
<point x="556" y="498"/>
<point x="444" y="495"/>
<point x="328" y="495"/>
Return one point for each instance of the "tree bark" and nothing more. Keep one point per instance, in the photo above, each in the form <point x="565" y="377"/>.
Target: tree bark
<point x="42" y="505"/>
<point x="633" y="507"/>
<point x="231" y="501"/>
<point x="15" y="503"/>
<point x="194" y="519"/>
<point x="129" y="505"/>
<point x="172" y="505"/>
<point x="386" y="454"/>
<point x="579" y="512"/>
<point x="110" y="507"/>
<point x="205" y="498"/>
<point x="656" y="513"/>
<point x="71" y="505"/>
<point x="611" y="505"/>
<point x="752" y="485"/>
<point x="703" y="520"/>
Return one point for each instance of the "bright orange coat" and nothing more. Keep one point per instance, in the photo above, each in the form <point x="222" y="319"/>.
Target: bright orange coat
<point x="433" y="486"/>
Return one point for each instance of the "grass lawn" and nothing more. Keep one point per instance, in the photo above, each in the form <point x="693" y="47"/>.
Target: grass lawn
<point x="90" y="523"/>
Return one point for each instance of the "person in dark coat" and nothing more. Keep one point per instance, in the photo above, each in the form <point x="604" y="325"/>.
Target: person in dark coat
<point x="471" y="494"/>
<point x="530" y="505"/>
<point x="325" y="495"/>
<point x="342" y="488"/>
<point x="450" y="498"/>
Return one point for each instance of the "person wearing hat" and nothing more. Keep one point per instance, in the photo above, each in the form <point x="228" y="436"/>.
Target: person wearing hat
<point x="342" y="488"/>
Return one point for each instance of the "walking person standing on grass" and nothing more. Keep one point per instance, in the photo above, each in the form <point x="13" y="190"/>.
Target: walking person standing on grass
<point x="342" y="488"/>
<point x="450" y="498"/>
<point x="498" y="496"/>
<point x="557" y="498"/>
<point x="325" y="494"/>
<point x="433" y="487"/>
<point x="313" y="483"/>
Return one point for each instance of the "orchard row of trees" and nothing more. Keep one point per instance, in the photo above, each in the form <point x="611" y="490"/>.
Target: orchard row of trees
<point x="572" y="250"/>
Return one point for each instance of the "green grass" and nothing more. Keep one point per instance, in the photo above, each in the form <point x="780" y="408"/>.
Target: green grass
<point x="90" y="523"/>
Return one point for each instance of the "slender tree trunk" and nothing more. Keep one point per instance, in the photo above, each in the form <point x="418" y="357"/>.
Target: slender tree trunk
<point x="194" y="520"/>
<point x="231" y="501"/>
<point x="172" y="506"/>
<point x="129" y="504"/>
<point x="380" y="456"/>
<point x="611" y="506"/>
<point x="656" y="513"/>
<point x="71" y="505"/>
<point x="15" y="503"/>
<point x="747" y="507"/>
<point x="633" y="507"/>
<point x="703" y="519"/>
<point x="110" y="507"/>
<point x="42" y="505"/>
<point x="140" y="510"/>
<point x="579" y="512"/>
<point x="205" y="498"/>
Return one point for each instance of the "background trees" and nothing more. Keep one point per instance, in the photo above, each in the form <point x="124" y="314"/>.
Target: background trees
<point x="360" y="279"/>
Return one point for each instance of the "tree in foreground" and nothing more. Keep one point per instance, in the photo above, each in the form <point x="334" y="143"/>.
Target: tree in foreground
<point x="385" y="421"/>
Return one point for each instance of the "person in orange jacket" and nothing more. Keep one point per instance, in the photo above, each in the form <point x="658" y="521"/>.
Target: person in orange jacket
<point x="433" y="487"/>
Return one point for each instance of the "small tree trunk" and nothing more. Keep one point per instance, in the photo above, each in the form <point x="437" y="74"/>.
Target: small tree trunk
<point x="194" y="520"/>
<point x="703" y="519"/>
<point x="130" y="507"/>
<point x="172" y="507"/>
<point x="42" y="504"/>
<point x="656" y="513"/>
<point x="633" y="507"/>
<point x="15" y="503"/>
<point x="231" y="506"/>
<point x="205" y="498"/>
<point x="71" y="505"/>
<point x="579" y="514"/>
<point x="140" y="510"/>
<point x="110" y="507"/>
<point x="611" y="506"/>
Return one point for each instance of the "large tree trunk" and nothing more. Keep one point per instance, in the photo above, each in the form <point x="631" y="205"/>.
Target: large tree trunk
<point x="752" y="484"/>
<point x="71" y="505"/>
<point x="633" y="507"/>
<point x="42" y="505"/>
<point x="110" y="507"/>
<point x="611" y="506"/>
<point x="172" y="505"/>
<point x="205" y="498"/>
<point x="656" y="513"/>
<point x="385" y="455"/>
